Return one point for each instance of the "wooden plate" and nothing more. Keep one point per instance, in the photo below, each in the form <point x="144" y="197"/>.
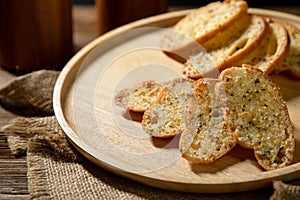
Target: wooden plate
<point x="105" y="134"/>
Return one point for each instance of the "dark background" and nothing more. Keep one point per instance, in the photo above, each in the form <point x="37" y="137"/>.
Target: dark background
<point x="196" y="3"/>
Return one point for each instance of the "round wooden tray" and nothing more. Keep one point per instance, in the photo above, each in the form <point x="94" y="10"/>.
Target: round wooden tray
<point x="105" y="134"/>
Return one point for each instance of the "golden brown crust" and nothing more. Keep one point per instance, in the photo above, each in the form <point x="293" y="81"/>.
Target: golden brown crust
<point x="260" y="116"/>
<point x="208" y="137"/>
<point x="271" y="50"/>
<point x="227" y="13"/>
<point x="202" y="25"/>
<point x="291" y="62"/>
<point x="165" y="117"/>
<point x="255" y="37"/>
<point x="242" y="106"/>
<point x="228" y="47"/>
<point x="139" y="97"/>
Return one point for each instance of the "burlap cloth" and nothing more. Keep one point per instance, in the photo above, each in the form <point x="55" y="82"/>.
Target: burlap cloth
<point x="57" y="171"/>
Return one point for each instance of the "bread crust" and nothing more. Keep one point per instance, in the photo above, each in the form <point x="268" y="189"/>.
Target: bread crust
<point x="259" y="115"/>
<point x="210" y="11"/>
<point x="165" y="117"/>
<point x="271" y="50"/>
<point x="291" y="62"/>
<point x="226" y="51"/>
<point x="208" y="137"/>
<point x="243" y="106"/>
<point x="139" y="97"/>
<point x="211" y="19"/>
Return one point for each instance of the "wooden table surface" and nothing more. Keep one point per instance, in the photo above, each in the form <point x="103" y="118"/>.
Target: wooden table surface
<point x="13" y="170"/>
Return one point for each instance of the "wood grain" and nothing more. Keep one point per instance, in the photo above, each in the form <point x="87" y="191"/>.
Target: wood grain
<point x="105" y="134"/>
<point x="13" y="171"/>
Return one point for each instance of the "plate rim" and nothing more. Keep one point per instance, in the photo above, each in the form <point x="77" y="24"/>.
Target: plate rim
<point x="286" y="173"/>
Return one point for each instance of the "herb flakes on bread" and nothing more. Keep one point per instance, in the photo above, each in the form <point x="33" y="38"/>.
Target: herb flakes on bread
<point x="227" y="47"/>
<point x="243" y="106"/>
<point x="259" y="115"/>
<point x="165" y="117"/>
<point x="204" y="23"/>
<point x="207" y="137"/>
<point x="138" y="97"/>
<point x="271" y="50"/>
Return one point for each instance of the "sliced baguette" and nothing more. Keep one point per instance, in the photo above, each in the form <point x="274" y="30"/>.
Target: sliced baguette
<point x="271" y="50"/>
<point x="260" y="116"/>
<point x="139" y="97"/>
<point x="204" y="23"/>
<point x="165" y="117"/>
<point x="227" y="47"/>
<point x="207" y="136"/>
<point x="291" y="62"/>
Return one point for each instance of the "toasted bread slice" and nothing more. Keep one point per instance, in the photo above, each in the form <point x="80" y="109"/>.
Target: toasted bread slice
<point x="227" y="47"/>
<point x="139" y="97"/>
<point x="271" y="50"/>
<point x="259" y="115"/>
<point x="291" y="62"/>
<point x="165" y="117"/>
<point x="207" y="137"/>
<point x="204" y="23"/>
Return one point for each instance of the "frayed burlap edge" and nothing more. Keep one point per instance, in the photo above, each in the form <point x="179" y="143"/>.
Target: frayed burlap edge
<point x="39" y="137"/>
<point x="45" y="130"/>
<point x="18" y="135"/>
<point x="37" y="178"/>
<point x="285" y="191"/>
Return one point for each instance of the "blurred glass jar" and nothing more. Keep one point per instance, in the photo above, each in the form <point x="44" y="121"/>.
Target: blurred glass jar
<point x="35" y="34"/>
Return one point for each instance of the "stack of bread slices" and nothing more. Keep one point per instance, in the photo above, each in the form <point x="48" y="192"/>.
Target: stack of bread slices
<point x="240" y="105"/>
<point x="231" y="35"/>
